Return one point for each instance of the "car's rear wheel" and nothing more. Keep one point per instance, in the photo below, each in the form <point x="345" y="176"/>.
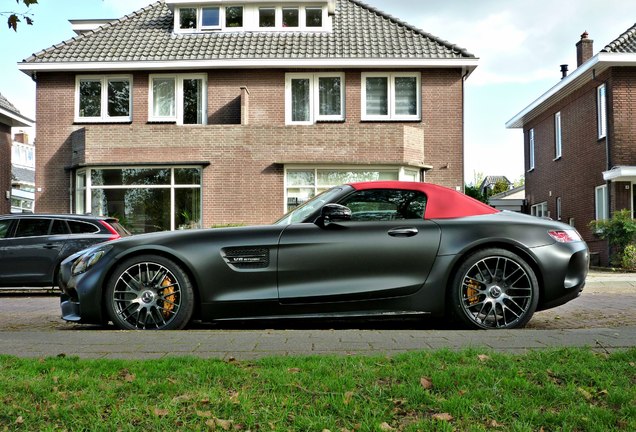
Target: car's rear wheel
<point x="149" y="293"/>
<point x="495" y="289"/>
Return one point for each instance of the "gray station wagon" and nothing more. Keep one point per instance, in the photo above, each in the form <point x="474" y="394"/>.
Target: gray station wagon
<point x="32" y="246"/>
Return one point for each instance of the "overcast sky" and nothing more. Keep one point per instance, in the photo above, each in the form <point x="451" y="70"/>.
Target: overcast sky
<point x="520" y="43"/>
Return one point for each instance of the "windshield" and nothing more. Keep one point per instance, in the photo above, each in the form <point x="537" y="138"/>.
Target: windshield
<point x="302" y="212"/>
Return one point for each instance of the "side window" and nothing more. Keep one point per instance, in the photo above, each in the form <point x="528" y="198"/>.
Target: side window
<point x="383" y="205"/>
<point x="4" y="228"/>
<point x="32" y="227"/>
<point x="58" y="227"/>
<point x="78" y="227"/>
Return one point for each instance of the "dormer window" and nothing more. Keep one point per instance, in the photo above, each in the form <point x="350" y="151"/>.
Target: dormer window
<point x="250" y="15"/>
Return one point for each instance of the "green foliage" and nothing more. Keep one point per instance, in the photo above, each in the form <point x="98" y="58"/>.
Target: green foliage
<point x="629" y="257"/>
<point x="619" y="231"/>
<point x="500" y="186"/>
<point x="477" y="390"/>
<point x="474" y="192"/>
<point x="13" y="18"/>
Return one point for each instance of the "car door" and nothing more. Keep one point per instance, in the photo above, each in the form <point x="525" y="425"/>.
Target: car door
<point x="386" y="250"/>
<point x="31" y="255"/>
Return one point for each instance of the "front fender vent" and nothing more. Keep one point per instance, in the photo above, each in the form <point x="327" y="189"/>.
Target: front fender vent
<point x="246" y="258"/>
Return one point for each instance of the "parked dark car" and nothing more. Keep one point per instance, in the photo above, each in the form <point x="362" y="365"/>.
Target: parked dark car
<point x="32" y="246"/>
<point x="357" y="250"/>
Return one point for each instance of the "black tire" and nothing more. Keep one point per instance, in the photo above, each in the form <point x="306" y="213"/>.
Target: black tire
<point x="149" y="292"/>
<point x="494" y="289"/>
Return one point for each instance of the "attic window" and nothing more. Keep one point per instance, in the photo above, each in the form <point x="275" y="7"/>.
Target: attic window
<point x="187" y="18"/>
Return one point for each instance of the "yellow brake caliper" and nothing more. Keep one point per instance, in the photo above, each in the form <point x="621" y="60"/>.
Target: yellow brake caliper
<point x="472" y="292"/>
<point x="169" y="295"/>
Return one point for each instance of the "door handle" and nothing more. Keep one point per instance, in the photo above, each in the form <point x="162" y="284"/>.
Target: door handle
<point x="49" y="246"/>
<point x="403" y="232"/>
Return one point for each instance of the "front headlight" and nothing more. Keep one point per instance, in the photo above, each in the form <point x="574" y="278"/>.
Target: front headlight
<point x="88" y="260"/>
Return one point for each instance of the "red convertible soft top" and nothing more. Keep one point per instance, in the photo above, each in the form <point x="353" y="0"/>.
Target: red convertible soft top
<point x="442" y="202"/>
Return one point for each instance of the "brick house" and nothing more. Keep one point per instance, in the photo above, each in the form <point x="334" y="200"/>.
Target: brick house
<point x="9" y="117"/>
<point x="580" y="140"/>
<point x="210" y="112"/>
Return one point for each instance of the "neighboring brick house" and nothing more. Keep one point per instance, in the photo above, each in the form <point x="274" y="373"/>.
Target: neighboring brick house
<point x="9" y="117"/>
<point x="210" y="112"/>
<point x="22" y="174"/>
<point x="580" y="140"/>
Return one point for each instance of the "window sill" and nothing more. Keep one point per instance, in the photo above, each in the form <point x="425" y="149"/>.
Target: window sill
<point x="109" y="121"/>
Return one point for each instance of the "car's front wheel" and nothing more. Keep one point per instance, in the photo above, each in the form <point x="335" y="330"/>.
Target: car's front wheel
<point x="149" y="292"/>
<point x="495" y="289"/>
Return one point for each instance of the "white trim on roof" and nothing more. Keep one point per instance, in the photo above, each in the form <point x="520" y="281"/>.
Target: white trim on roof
<point x="15" y="119"/>
<point x="468" y="64"/>
<point x="577" y="79"/>
<point x="619" y="173"/>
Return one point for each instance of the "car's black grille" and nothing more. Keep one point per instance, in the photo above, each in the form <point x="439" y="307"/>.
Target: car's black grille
<point x="247" y="258"/>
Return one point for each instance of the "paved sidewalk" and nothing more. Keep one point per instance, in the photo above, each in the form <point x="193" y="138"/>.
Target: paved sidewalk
<point x="608" y="298"/>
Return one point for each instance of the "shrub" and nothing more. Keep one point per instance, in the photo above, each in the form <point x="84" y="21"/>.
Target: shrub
<point x="629" y="257"/>
<point x="619" y="231"/>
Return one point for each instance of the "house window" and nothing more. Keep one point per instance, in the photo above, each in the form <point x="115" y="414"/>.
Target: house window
<point x="391" y="96"/>
<point x="103" y="98"/>
<point x="144" y="199"/>
<point x="558" y="208"/>
<point x="531" y="150"/>
<point x="234" y="16"/>
<point x="303" y="183"/>
<point x="557" y="136"/>
<point x="210" y="18"/>
<point x="601" y="111"/>
<point x="600" y="202"/>
<point x="540" y="210"/>
<point x="314" y="97"/>
<point x="178" y="98"/>
<point x="313" y="17"/>
<point x="267" y="17"/>
<point x="291" y="17"/>
<point x="194" y="19"/>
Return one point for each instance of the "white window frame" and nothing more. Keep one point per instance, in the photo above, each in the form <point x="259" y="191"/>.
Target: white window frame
<point x="601" y="211"/>
<point x="531" y="149"/>
<point x="104" y="80"/>
<point x="540" y="210"/>
<point x="601" y="111"/>
<point x="314" y="93"/>
<point x="404" y="173"/>
<point x="88" y="187"/>
<point x="178" y="108"/>
<point x="391" y="116"/>
<point x="558" y="136"/>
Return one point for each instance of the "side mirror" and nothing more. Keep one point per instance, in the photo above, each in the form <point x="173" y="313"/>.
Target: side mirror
<point x="331" y="213"/>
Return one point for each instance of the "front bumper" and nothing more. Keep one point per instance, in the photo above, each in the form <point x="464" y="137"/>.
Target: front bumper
<point x="81" y="299"/>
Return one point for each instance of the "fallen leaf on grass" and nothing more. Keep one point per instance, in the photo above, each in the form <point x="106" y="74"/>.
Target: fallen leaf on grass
<point x="347" y="397"/>
<point x="293" y="370"/>
<point x="386" y="427"/>
<point x="426" y="383"/>
<point x="443" y="417"/>
<point x="495" y="424"/>
<point x="207" y="414"/>
<point x="213" y="423"/>
<point x="19" y="420"/>
<point x="586" y="394"/>
<point x="161" y="412"/>
<point x="483" y="357"/>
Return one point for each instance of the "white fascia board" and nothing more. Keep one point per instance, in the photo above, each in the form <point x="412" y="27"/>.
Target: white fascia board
<point x="581" y="75"/>
<point x="14" y="119"/>
<point x="469" y="64"/>
<point x="620" y="173"/>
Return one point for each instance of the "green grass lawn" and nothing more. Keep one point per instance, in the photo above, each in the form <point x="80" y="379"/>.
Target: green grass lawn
<point x="568" y="389"/>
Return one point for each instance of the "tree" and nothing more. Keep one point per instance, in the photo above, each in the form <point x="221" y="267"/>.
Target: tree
<point x="13" y="17"/>
<point x="619" y="231"/>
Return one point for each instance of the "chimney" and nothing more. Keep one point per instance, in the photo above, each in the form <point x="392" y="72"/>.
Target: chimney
<point x="584" y="49"/>
<point x="21" y="138"/>
<point x="564" y="71"/>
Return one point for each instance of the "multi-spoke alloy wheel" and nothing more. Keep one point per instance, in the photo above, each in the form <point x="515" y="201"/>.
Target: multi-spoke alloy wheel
<point x="149" y="293"/>
<point x="495" y="288"/>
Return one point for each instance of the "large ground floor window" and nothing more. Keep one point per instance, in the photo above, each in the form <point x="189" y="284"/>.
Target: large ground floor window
<point x="303" y="183"/>
<point x="144" y="199"/>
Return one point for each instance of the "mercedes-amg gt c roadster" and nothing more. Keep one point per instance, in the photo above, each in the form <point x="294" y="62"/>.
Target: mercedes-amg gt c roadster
<point x="368" y="249"/>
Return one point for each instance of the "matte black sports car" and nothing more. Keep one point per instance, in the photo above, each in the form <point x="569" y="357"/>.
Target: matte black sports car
<point x="362" y="249"/>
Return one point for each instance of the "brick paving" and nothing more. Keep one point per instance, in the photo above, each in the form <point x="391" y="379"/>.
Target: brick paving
<point x="604" y="317"/>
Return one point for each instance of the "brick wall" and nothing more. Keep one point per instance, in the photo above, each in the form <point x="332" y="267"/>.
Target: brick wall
<point x="246" y="162"/>
<point x="575" y="176"/>
<point x="5" y="167"/>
